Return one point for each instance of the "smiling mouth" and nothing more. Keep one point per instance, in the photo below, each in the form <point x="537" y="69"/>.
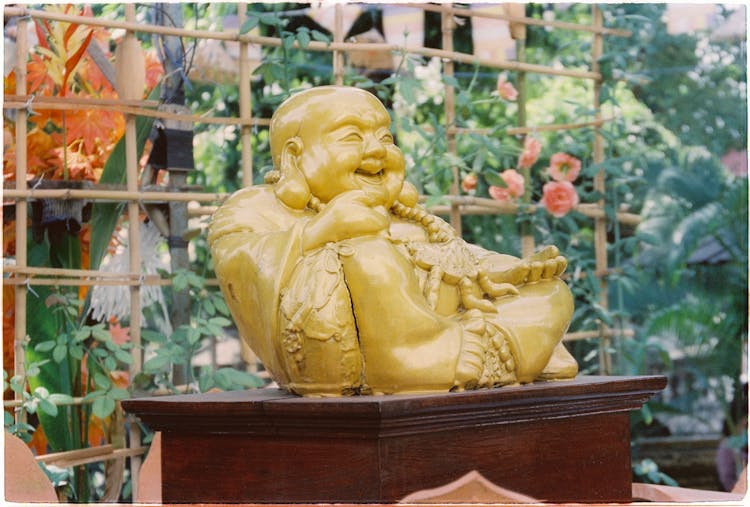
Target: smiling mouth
<point x="378" y="176"/>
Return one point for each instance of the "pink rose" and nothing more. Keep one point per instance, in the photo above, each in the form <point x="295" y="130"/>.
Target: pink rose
<point x="515" y="182"/>
<point x="469" y="183"/>
<point x="530" y="154"/>
<point x="514" y="186"/>
<point x="559" y="197"/>
<point x="506" y="89"/>
<point x="500" y="193"/>
<point x="564" y="167"/>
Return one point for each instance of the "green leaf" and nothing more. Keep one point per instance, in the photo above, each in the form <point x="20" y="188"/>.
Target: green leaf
<point x="221" y="305"/>
<point x="250" y="23"/>
<point x="59" y="353"/>
<point x="193" y="335"/>
<point x="648" y="417"/>
<point x="103" y="407"/>
<point x="492" y="178"/>
<point x="101" y="380"/>
<point x="60" y="399"/>
<point x="93" y="395"/>
<point x="153" y="336"/>
<point x="180" y="281"/>
<point x="117" y="393"/>
<point x="156" y="363"/>
<point x="220" y="321"/>
<point x="45" y="346"/>
<point x="304" y="39"/>
<point x="320" y="36"/>
<point x="48" y="407"/>
<point x="123" y="356"/>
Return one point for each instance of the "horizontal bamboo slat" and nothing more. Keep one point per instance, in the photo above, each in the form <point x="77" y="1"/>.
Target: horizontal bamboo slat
<point x="78" y="457"/>
<point x="468" y="13"/>
<point x="312" y="46"/>
<point x="607" y="333"/>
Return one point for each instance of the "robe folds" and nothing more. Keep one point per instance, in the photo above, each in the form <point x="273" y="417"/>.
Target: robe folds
<point x="351" y="317"/>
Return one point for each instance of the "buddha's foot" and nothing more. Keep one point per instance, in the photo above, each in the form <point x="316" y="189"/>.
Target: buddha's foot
<point x="561" y="365"/>
<point x="485" y="359"/>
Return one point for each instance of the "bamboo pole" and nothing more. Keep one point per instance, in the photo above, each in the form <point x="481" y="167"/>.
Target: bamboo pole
<point x="518" y="32"/>
<point x="447" y="27"/>
<point x="134" y="248"/>
<point x="585" y="335"/>
<point x="338" y="38"/>
<point x="468" y="13"/>
<point x="600" y="223"/>
<point x="79" y="457"/>
<point x="313" y="45"/>
<point x="112" y="195"/>
<point x="21" y="209"/>
<point x="76" y="103"/>
<point x="246" y="107"/>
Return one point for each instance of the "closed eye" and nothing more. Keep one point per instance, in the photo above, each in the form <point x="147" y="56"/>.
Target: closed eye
<point x="386" y="138"/>
<point x="351" y="137"/>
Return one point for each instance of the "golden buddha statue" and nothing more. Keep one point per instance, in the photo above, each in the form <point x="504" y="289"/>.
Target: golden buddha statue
<point x="342" y="283"/>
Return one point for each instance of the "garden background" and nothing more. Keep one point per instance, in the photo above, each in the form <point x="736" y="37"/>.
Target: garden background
<point x="617" y="132"/>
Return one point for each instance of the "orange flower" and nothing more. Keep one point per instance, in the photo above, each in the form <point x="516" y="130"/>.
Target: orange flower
<point x="559" y="197"/>
<point x="514" y="186"/>
<point x="154" y="69"/>
<point x="530" y="153"/>
<point x="564" y="167"/>
<point x="469" y="183"/>
<point x="506" y="89"/>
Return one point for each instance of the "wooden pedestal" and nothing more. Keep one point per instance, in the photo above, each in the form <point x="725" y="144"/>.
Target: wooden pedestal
<point x="566" y="441"/>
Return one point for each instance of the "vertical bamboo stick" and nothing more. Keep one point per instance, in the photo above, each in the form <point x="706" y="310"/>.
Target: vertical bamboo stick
<point x="338" y="36"/>
<point x="600" y="224"/>
<point x="134" y="247"/>
<point x="518" y="32"/>
<point x="246" y="109"/>
<point x="21" y="207"/>
<point x="448" y="26"/>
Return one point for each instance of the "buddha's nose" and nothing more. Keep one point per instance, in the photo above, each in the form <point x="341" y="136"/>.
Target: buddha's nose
<point x="374" y="148"/>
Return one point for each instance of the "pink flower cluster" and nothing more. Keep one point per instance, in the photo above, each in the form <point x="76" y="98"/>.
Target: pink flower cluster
<point x="559" y="196"/>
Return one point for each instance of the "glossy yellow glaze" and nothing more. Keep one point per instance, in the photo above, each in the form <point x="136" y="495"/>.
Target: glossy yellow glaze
<point x="342" y="284"/>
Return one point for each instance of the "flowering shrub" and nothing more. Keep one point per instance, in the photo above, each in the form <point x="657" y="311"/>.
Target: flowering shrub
<point x="530" y="154"/>
<point x="564" y="167"/>
<point x="559" y="197"/>
<point x="505" y="88"/>
<point x="514" y="188"/>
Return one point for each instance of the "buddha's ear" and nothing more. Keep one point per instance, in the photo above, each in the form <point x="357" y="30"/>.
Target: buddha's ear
<point x="292" y="188"/>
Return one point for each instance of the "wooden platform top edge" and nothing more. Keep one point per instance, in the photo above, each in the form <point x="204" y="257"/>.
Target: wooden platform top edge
<point x="274" y="410"/>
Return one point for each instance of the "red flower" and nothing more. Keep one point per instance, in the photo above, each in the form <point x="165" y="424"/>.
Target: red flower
<point x="506" y="89"/>
<point x="559" y="197"/>
<point x="564" y="167"/>
<point x="530" y="153"/>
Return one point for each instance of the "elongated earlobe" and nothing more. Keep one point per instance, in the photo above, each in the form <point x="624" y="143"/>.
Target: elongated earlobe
<point x="292" y="188"/>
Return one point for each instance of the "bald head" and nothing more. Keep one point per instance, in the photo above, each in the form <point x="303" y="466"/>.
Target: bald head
<point x="307" y="107"/>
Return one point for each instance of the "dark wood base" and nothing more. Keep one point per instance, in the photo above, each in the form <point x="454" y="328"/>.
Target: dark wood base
<point x="565" y="441"/>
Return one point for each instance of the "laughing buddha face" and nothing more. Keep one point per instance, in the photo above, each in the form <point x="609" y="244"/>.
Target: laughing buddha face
<point x="338" y="139"/>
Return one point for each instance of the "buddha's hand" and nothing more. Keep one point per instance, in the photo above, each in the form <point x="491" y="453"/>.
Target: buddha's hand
<point x="500" y="271"/>
<point x="348" y="215"/>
